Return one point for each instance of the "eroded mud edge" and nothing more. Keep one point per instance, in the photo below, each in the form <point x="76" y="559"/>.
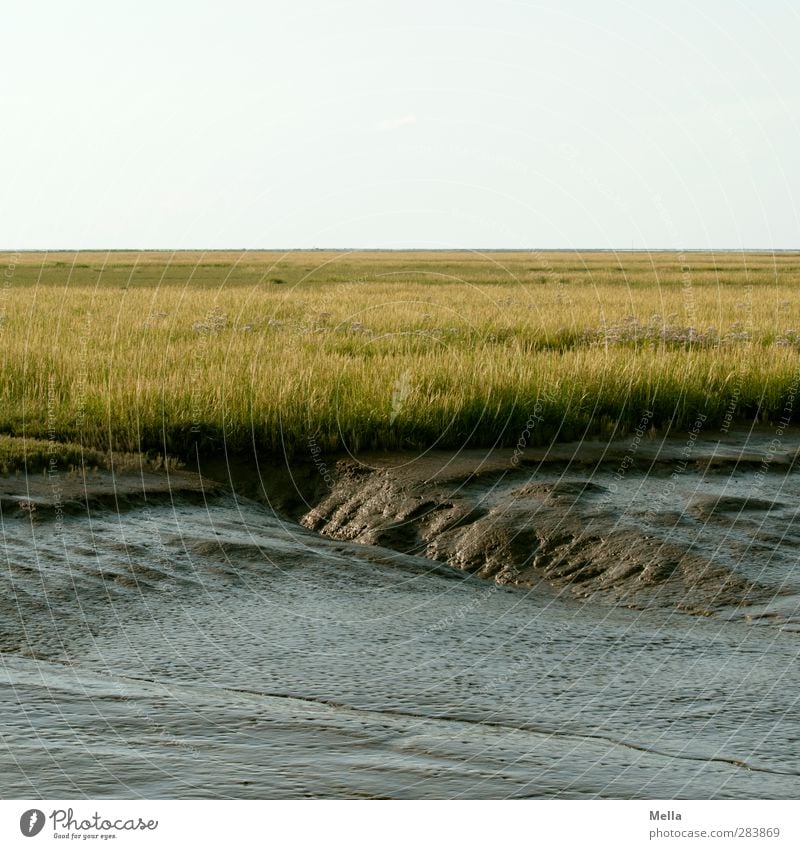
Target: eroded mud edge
<point x="552" y="521"/>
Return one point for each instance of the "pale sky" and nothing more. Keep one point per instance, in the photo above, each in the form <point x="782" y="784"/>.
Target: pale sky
<point x="436" y="124"/>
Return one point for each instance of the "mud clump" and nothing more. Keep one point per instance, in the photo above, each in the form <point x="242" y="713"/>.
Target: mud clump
<point x="510" y="527"/>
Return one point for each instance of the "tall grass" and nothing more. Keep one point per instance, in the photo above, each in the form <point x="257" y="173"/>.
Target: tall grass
<point x="226" y="352"/>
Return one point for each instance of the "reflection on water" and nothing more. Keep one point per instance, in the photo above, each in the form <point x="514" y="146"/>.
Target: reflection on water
<point x="184" y="650"/>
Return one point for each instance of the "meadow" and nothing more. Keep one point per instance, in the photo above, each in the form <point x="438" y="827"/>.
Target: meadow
<point x="191" y="354"/>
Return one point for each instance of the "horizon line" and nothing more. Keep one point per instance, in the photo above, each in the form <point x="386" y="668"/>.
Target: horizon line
<point x="400" y="250"/>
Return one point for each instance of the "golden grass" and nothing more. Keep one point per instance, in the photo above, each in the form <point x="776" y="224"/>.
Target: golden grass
<point x="222" y="351"/>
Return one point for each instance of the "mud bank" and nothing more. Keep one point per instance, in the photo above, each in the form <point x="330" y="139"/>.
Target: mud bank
<point x="158" y="640"/>
<point x="705" y="526"/>
<point x="691" y="524"/>
<point x="73" y="493"/>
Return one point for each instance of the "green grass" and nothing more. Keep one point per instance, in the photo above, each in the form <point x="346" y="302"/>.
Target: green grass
<point x="34" y="455"/>
<point x="208" y="353"/>
<point x="21" y="454"/>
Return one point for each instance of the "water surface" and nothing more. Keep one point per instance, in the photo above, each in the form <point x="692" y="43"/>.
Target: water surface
<point x="210" y="649"/>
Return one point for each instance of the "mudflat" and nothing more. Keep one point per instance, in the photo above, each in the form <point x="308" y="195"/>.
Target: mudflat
<point x="478" y="624"/>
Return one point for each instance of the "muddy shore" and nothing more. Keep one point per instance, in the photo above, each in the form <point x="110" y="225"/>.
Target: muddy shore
<point x="699" y="525"/>
<point x="690" y="524"/>
<point x="476" y="625"/>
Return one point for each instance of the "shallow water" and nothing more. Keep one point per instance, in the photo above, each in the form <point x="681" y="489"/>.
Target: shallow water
<point x="213" y="650"/>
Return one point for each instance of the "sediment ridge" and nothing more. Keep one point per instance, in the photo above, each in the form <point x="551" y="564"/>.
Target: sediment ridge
<point x="643" y="525"/>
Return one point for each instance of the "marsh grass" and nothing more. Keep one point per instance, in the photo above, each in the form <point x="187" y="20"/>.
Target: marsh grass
<point x="194" y="354"/>
<point x="55" y="457"/>
<point x="34" y="455"/>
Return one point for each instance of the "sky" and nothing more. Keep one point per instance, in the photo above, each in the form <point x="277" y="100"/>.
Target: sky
<point x="369" y="124"/>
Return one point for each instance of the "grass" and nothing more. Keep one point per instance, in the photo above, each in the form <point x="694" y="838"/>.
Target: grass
<point x="20" y="454"/>
<point x="192" y="353"/>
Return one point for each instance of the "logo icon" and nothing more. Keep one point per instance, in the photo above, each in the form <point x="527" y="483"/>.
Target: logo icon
<point x="31" y="822"/>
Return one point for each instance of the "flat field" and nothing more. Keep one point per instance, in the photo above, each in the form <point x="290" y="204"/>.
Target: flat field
<point x="291" y="352"/>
